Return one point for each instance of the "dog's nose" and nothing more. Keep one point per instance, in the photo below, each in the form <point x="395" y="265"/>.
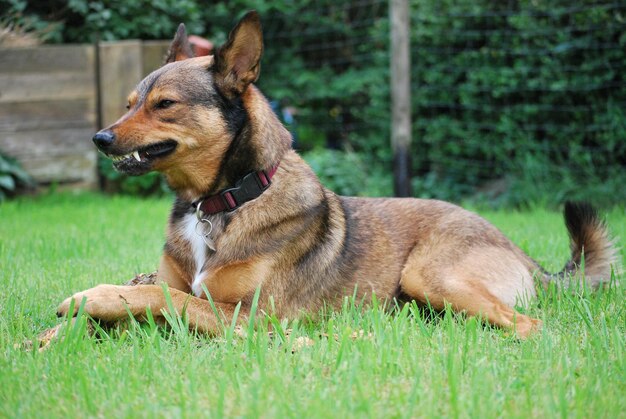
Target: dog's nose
<point x="103" y="139"/>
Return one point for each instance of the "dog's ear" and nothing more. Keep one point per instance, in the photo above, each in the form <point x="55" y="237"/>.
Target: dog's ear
<point x="180" y="48"/>
<point x="238" y="61"/>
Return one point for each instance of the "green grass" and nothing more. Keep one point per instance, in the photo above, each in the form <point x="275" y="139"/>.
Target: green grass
<point x="404" y="365"/>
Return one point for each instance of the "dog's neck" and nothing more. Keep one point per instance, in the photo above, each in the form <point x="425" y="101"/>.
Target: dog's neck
<point x="259" y="144"/>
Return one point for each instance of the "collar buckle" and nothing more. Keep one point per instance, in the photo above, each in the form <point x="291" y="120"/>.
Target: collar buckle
<point x="251" y="186"/>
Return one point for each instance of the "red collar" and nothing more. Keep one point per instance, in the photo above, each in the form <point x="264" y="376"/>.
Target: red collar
<point x="246" y="189"/>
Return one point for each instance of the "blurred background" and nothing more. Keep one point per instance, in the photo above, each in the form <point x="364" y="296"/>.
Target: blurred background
<point x="514" y="103"/>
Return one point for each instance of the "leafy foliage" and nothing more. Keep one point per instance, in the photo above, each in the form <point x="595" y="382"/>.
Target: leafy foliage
<point x="83" y="20"/>
<point x="516" y="94"/>
<point x="346" y="173"/>
<point x="528" y="94"/>
<point x="149" y="184"/>
<point x="18" y="19"/>
<point x="12" y="177"/>
<point x="525" y="97"/>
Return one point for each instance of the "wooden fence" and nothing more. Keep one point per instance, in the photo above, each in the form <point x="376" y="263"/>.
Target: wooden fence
<point x="54" y="98"/>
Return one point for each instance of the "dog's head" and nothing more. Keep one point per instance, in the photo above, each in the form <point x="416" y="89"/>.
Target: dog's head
<point x="182" y="117"/>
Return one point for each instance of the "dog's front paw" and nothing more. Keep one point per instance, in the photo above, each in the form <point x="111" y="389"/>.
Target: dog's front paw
<point x="104" y="302"/>
<point x="528" y="327"/>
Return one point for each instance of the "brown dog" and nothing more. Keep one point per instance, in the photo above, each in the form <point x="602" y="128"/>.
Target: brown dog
<point x="250" y="213"/>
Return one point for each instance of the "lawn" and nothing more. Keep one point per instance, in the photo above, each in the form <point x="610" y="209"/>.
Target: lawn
<point x="365" y="363"/>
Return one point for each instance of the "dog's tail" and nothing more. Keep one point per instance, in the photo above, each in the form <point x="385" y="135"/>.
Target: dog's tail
<point x="594" y="254"/>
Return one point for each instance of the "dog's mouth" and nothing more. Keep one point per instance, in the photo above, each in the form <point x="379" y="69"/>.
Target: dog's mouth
<point x="140" y="161"/>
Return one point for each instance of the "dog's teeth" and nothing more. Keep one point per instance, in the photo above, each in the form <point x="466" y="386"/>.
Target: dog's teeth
<point x="136" y="155"/>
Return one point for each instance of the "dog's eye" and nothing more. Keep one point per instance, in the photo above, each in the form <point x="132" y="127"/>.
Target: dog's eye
<point x="128" y="106"/>
<point x="164" y="104"/>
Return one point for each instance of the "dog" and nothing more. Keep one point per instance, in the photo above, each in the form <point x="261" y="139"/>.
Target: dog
<point x="250" y="214"/>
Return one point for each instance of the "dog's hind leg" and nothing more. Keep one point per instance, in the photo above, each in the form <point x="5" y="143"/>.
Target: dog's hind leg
<point x="470" y="287"/>
<point x="113" y="302"/>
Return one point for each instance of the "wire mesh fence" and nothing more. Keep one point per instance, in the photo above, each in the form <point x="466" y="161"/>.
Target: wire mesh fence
<point x="514" y="100"/>
<point x="526" y="92"/>
<point x="518" y="101"/>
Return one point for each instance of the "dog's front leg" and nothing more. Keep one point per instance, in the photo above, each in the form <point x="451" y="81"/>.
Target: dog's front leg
<point x="113" y="302"/>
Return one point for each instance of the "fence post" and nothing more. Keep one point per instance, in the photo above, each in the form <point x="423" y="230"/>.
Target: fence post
<point x="120" y="71"/>
<point x="400" y="95"/>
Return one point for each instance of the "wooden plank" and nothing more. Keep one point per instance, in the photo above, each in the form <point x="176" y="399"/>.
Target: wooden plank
<point x="68" y="167"/>
<point x="24" y="116"/>
<point x="153" y="55"/>
<point x="400" y="95"/>
<point x="51" y="142"/>
<point x="48" y="59"/>
<point x="120" y="71"/>
<point x="42" y="86"/>
<point x="48" y="111"/>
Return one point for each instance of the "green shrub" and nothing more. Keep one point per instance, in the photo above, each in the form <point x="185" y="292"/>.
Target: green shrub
<point x="34" y="28"/>
<point x="84" y="20"/>
<point x="12" y="177"/>
<point x="530" y="93"/>
<point x="527" y="96"/>
<point x="149" y="184"/>
<point x="347" y="173"/>
<point x="515" y="93"/>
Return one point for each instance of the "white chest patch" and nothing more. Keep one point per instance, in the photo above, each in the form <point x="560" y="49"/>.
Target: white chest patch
<point x="199" y="250"/>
